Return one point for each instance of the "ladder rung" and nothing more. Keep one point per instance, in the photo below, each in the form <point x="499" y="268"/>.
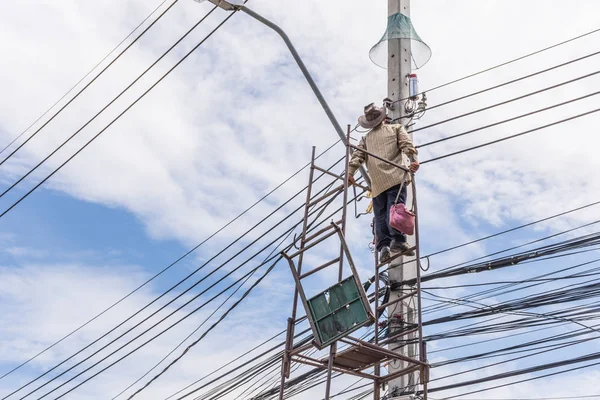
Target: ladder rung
<point x="328" y="173"/>
<point x="312" y="245"/>
<point x="394" y="257"/>
<point x="327" y="264"/>
<point x="326" y="195"/>
<point x="365" y="188"/>
<point x="320" y="232"/>
<point x="399" y="299"/>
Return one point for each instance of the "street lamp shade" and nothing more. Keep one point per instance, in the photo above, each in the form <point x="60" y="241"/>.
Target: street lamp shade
<point x="400" y="27"/>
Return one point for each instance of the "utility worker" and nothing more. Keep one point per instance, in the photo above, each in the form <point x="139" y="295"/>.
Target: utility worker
<point x="388" y="141"/>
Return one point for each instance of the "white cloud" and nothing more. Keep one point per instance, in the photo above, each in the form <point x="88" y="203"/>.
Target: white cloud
<point x="237" y="118"/>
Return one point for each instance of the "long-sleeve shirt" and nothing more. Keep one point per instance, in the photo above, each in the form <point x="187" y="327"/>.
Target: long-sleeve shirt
<point x="389" y="142"/>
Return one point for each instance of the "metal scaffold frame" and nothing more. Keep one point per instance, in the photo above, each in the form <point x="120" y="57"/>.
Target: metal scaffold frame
<point x="360" y="355"/>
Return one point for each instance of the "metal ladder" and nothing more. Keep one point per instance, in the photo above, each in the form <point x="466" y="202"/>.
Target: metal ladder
<point x="342" y="308"/>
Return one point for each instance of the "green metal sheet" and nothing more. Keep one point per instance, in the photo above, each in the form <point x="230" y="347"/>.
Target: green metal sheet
<point x="337" y="312"/>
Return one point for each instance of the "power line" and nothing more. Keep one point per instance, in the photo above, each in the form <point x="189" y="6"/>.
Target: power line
<point x="510" y="136"/>
<point x="532" y="398"/>
<point x="542" y="257"/>
<point x="215" y="324"/>
<point x="498" y="291"/>
<point x="172" y="288"/>
<point x="508" y="120"/>
<point x="163" y="319"/>
<point x="209" y="329"/>
<point x="507" y="231"/>
<point x="515" y="80"/>
<point x="545" y="89"/>
<point x="88" y="84"/>
<point x="520" y="372"/>
<point x="507" y="62"/>
<point x="460" y="269"/>
<point x="188" y="336"/>
<point x="233" y="380"/>
<point x="257" y="357"/>
<point x="109" y="104"/>
<point x="167" y="267"/>
<point x="237" y="359"/>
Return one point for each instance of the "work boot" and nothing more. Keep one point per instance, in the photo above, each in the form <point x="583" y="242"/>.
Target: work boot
<point x="401" y="247"/>
<point x="385" y="254"/>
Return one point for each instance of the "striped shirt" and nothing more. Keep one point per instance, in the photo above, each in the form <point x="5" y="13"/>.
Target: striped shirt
<point x="390" y="142"/>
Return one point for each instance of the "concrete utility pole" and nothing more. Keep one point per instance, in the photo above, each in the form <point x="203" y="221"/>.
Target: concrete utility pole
<point x="399" y="67"/>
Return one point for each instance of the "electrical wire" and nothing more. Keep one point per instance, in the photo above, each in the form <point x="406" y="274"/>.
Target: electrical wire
<point x="510" y="136"/>
<point x="163" y="319"/>
<point x="515" y="80"/>
<point x="212" y="326"/>
<point x="216" y="323"/>
<point x="507" y="120"/>
<point x="85" y="76"/>
<point x="167" y="267"/>
<point x="516" y="247"/>
<point x="187" y="337"/>
<point x="505" y="232"/>
<point x="120" y="114"/>
<point x="535" y="398"/>
<point x="545" y="89"/>
<point x="510" y="374"/>
<point x="182" y="281"/>
<point x="505" y="63"/>
<point x="114" y="100"/>
<point x="164" y="306"/>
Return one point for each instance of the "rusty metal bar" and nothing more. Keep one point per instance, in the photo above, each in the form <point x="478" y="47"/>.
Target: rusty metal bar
<point x="286" y="359"/>
<point x="404" y="371"/>
<point x="320" y="232"/>
<point x="301" y="349"/>
<point x="316" y="363"/>
<point x="345" y="203"/>
<point x="381" y="350"/>
<point x="425" y="372"/>
<point x="335" y="190"/>
<point x="395" y="256"/>
<point x="380" y="158"/>
<point x="299" y="290"/>
<point x="327" y="172"/>
<point x="289" y="343"/>
<point x="319" y="268"/>
<point x="332" y="351"/>
<point x="304" y="225"/>
<point x="302" y="250"/>
<point x="358" y="185"/>
<point x="399" y="299"/>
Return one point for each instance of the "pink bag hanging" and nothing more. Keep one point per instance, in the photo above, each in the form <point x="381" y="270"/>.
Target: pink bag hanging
<point x="401" y="218"/>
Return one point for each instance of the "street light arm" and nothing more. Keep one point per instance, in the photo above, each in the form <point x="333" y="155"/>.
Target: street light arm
<point x="308" y="77"/>
<point x="228" y="6"/>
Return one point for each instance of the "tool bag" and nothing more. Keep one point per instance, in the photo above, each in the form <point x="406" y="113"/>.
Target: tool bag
<point x="401" y="218"/>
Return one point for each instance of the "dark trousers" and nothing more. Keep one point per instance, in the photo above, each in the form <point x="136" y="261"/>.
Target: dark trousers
<point x="384" y="233"/>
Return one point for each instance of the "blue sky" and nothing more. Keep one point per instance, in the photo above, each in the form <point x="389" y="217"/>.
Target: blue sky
<point x="234" y="121"/>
